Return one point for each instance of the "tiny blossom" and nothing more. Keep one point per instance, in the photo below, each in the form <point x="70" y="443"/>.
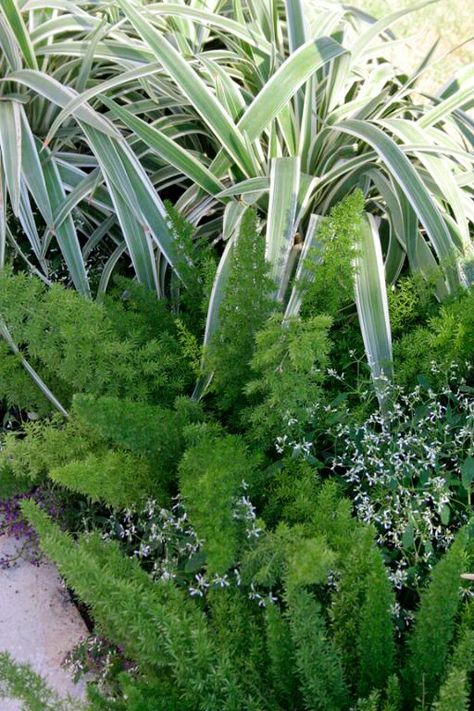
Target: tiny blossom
<point x="284" y="444"/>
<point x="220" y="581"/>
<point x="333" y="580"/>
<point x="262" y="600"/>
<point x="143" y="551"/>
<point x="398" y="578"/>
<point x="96" y="655"/>
<point x="271" y="599"/>
<point x="280" y="444"/>
<point x="201" y="586"/>
<point x="245" y="511"/>
<point x="254" y="595"/>
<point x="395" y="609"/>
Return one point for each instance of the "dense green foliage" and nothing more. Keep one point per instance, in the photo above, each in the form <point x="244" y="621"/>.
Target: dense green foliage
<point x="435" y="623"/>
<point x="152" y="432"/>
<point x="328" y="283"/>
<point x="246" y="305"/>
<point x="212" y="474"/>
<point x="212" y="541"/>
<point x="430" y="349"/>
<point x="44" y="445"/>
<point x="234" y="653"/>
<point x="115" y="478"/>
<point x="317" y="660"/>
<point x="127" y="348"/>
<point x="197" y="432"/>
<point x="375" y="644"/>
<point x="290" y="362"/>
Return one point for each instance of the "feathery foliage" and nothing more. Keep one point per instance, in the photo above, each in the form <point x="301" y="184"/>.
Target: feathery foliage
<point x="289" y="364"/>
<point x="115" y="478"/>
<point x="213" y="473"/>
<point x="431" y="349"/>
<point x="329" y="268"/>
<point x="77" y="345"/>
<point x="376" y="646"/>
<point x="245" y="307"/>
<point x="317" y="660"/>
<point x="435" y="624"/>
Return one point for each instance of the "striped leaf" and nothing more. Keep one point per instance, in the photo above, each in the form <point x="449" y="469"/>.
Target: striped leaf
<point x="168" y="149"/>
<point x="284" y="188"/>
<point x="192" y="86"/>
<point x="444" y="108"/>
<point x="6" y="335"/>
<point x="3" y="218"/>
<point x="140" y="211"/>
<point x="372" y="308"/>
<point x="286" y="81"/>
<point x="34" y="175"/>
<point x="412" y="186"/>
<point x="212" y="320"/>
<point x="219" y="22"/>
<point x="65" y="233"/>
<point x="303" y="274"/>
<point x="437" y="166"/>
<point x="15" y="21"/>
<point x="10" y="148"/>
<point x="52" y="90"/>
<point x="8" y="44"/>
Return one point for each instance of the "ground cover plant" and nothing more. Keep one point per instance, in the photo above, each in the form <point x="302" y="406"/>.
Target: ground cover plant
<point x="236" y="367"/>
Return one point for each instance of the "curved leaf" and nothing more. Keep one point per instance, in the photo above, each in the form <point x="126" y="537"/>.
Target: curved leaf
<point x="372" y="307"/>
<point x="412" y="186"/>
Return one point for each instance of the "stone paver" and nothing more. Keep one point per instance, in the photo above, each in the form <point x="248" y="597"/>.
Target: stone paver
<point x="39" y="624"/>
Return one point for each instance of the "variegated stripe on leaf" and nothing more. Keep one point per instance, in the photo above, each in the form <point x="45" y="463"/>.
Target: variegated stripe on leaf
<point x="372" y="308"/>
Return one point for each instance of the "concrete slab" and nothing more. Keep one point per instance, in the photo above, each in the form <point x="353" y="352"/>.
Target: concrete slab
<point x="39" y="624"/>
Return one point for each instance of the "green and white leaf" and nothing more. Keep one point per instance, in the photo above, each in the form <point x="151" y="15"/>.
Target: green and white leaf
<point x="280" y="231"/>
<point x="372" y="308"/>
<point x="10" y="148"/>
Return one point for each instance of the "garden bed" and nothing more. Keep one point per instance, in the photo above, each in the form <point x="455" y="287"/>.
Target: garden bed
<point x="236" y="359"/>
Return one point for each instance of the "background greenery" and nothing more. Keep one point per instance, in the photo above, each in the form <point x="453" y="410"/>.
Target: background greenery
<point x="449" y="20"/>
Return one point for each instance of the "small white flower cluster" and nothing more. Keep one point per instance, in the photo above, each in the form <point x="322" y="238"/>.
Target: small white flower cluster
<point x="405" y="473"/>
<point x="203" y="583"/>
<point x="166" y="539"/>
<point x="96" y="655"/>
<point x="262" y="600"/>
<point x="245" y="511"/>
<point x="404" y="618"/>
<point x="160" y="535"/>
<point x="293" y="441"/>
<point x="285" y="443"/>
